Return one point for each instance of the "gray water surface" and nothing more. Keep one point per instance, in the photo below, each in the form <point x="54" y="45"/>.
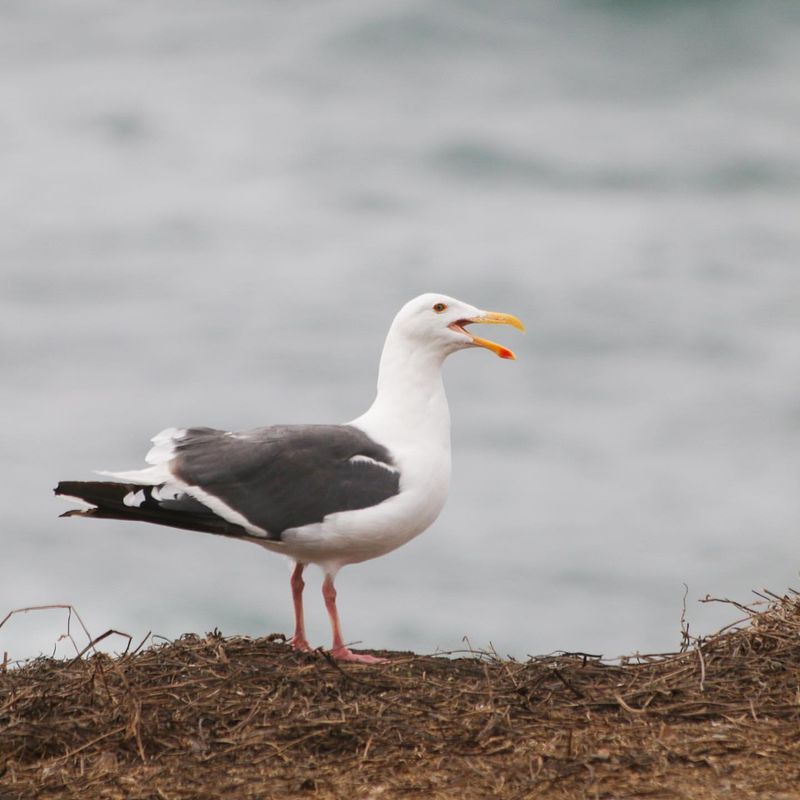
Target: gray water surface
<point x="211" y="212"/>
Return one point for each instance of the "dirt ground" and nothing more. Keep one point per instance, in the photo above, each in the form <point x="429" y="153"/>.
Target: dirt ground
<point x="234" y="717"/>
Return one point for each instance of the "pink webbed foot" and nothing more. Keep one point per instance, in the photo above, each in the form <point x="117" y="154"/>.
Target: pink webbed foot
<point x="340" y="651"/>
<point x="300" y="644"/>
<point x="346" y="654"/>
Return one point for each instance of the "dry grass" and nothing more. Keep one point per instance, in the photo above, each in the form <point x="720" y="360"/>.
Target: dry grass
<point x="214" y="717"/>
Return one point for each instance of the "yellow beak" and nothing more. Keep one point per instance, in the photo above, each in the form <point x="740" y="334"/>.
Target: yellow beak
<point x="496" y="318"/>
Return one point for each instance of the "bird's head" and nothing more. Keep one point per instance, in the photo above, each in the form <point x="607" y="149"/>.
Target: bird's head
<point x="441" y="321"/>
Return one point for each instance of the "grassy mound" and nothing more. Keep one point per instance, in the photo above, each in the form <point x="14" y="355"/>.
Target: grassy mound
<point x="234" y="717"/>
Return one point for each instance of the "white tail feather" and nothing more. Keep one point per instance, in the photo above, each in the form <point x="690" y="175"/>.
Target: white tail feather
<point x="149" y="476"/>
<point x="164" y="445"/>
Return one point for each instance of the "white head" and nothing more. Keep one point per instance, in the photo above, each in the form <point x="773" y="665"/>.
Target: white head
<point x="439" y="322"/>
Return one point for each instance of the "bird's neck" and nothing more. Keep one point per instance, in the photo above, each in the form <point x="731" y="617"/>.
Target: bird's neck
<point x="411" y="400"/>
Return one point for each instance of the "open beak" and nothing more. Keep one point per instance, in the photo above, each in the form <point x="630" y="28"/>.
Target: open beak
<point x="491" y="318"/>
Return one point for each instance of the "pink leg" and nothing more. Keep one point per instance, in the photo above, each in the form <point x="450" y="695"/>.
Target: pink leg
<point x="339" y="650"/>
<point x="299" y="641"/>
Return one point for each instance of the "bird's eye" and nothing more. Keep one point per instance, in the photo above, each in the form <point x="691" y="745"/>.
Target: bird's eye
<point x="439" y="307"/>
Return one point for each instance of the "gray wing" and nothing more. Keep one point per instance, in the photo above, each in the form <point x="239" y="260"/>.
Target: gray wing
<point x="286" y="476"/>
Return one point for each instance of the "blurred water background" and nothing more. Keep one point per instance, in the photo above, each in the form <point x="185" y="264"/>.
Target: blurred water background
<point x="212" y="210"/>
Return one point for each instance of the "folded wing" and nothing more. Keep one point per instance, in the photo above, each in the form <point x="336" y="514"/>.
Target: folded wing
<point x="259" y="483"/>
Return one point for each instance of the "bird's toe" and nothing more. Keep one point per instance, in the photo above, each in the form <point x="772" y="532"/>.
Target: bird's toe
<point x="346" y="654"/>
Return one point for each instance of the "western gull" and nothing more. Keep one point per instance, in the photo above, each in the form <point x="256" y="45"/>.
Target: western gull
<point x="329" y="495"/>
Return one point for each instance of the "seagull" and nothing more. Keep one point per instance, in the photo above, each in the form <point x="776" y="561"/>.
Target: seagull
<point x="329" y="495"/>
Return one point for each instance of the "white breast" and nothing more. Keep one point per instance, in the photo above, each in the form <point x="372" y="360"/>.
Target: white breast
<point x="349" y="537"/>
<point x="411" y="419"/>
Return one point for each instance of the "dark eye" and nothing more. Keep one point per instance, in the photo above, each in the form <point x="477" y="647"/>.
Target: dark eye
<point x="439" y="307"/>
